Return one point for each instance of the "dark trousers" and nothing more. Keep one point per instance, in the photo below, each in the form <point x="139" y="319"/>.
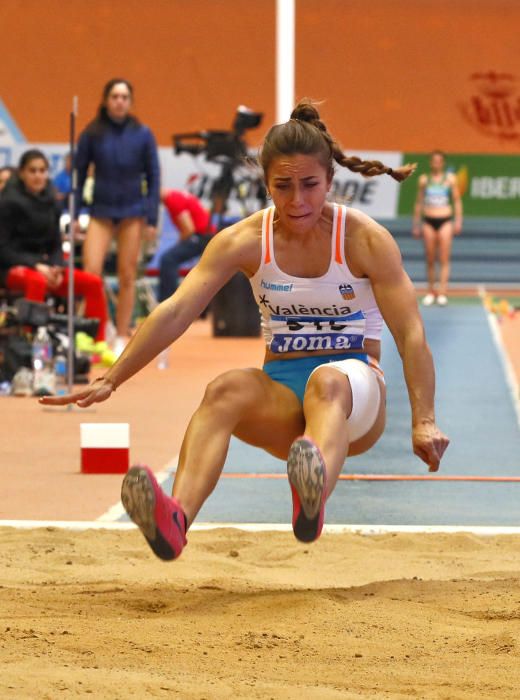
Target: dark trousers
<point x="173" y="258"/>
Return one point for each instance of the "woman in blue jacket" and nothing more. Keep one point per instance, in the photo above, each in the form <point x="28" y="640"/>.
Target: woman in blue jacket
<point x="126" y="192"/>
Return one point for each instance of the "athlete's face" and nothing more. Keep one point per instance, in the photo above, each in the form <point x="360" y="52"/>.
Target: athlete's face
<point x="35" y="175"/>
<point x="437" y="163"/>
<point x="298" y="185"/>
<point x="119" y="101"/>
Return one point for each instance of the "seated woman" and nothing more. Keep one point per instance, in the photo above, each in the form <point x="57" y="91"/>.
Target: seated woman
<point x="31" y="257"/>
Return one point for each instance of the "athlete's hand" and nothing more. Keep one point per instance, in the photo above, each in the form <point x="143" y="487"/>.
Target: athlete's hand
<point x="99" y="390"/>
<point x="416" y="230"/>
<point x="457" y="227"/>
<point x="429" y="443"/>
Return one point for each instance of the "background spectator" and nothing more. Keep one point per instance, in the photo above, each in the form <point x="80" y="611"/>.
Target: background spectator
<point x="193" y="222"/>
<point x="439" y="204"/>
<point x="31" y="258"/>
<point x="126" y="192"/>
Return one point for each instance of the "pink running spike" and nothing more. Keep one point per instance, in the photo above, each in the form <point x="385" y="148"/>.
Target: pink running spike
<point x="159" y="517"/>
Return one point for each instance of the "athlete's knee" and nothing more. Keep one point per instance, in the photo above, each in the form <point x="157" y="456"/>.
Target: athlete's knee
<point x="327" y="385"/>
<point x="229" y="393"/>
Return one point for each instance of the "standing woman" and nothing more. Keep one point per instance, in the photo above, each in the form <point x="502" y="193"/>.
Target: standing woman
<point x="438" y="198"/>
<point x="126" y="192"/>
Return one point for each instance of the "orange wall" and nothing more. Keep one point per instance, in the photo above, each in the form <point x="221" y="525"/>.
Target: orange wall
<point x="395" y="74"/>
<point x="192" y="62"/>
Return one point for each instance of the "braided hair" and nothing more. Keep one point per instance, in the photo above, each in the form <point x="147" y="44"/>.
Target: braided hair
<point x="305" y="133"/>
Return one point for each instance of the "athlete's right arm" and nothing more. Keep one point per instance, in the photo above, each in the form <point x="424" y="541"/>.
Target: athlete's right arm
<point x="228" y="252"/>
<point x="419" y="201"/>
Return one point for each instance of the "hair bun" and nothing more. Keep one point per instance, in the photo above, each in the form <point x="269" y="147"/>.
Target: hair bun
<point x="305" y="111"/>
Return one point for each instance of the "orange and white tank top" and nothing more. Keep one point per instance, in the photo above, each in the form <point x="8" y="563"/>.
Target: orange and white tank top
<point x="336" y="311"/>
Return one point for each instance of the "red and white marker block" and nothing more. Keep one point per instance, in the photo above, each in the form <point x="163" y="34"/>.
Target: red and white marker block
<point x="105" y="448"/>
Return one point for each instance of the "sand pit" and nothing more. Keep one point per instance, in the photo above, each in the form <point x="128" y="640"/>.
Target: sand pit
<point x="258" y="615"/>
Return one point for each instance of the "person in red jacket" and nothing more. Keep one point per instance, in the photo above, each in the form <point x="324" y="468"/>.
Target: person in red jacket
<point x="193" y="222"/>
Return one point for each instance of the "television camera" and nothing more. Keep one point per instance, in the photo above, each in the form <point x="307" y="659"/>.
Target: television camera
<point x="228" y="149"/>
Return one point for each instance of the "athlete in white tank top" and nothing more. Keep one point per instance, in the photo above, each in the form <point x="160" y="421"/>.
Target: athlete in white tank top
<point x="336" y="311"/>
<point x="317" y="399"/>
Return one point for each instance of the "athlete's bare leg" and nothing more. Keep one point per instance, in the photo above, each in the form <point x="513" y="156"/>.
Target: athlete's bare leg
<point x="430" y="250"/>
<point x="246" y="403"/>
<point x="96" y="245"/>
<point x="445" y="241"/>
<point x="327" y="405"/>
<point x="128" y="250"/>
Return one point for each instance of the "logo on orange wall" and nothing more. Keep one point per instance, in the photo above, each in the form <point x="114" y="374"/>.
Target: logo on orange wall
<point x="493" y="106"/>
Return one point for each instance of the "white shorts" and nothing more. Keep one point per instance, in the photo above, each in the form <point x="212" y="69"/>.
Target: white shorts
<point x="366" y="393"/>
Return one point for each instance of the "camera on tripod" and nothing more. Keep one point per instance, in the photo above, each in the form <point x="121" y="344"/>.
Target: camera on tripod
<point x="227" y="148"/>
<point x="220" y="146"/>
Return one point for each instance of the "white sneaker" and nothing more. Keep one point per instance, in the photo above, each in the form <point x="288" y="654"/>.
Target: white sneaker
<point x="442" y="300"/>
<point x="429" y="299"/>
<point x="22" y="384"/>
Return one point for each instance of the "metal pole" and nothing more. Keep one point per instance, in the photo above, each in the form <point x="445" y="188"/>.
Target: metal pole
<point x="285" y="47"/>
<point x="72" y="214"/>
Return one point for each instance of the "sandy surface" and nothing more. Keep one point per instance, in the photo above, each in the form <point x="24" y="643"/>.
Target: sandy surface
<point x="241" y="615"/>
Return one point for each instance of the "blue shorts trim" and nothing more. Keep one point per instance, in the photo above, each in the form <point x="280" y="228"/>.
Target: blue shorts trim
<point x="295" y="372"/>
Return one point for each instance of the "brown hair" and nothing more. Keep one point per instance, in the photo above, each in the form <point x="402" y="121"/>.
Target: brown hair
<point x="306" y="134"/>
<point x="30" y="155"/>
<point x="99" y="123"/>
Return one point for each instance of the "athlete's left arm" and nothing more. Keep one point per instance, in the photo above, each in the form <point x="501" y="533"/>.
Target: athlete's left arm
<point x="380" y="259"/>
<point x="457" y="205"/>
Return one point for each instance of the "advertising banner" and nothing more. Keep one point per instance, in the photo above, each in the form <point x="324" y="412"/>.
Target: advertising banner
<point x="376" y="196"/>
<point x="489" y="184"/>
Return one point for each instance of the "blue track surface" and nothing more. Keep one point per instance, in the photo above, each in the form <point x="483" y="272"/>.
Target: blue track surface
<point x="474" y="407"/>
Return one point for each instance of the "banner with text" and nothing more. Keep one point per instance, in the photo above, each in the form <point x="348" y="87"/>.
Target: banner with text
<point x="489" y="184"/>
<point x="375" y="196"/>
